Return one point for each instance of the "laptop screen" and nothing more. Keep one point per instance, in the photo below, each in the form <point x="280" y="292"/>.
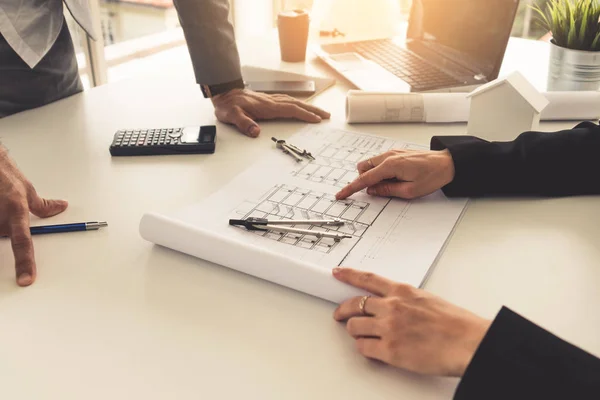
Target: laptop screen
<point x="474" y="33"/>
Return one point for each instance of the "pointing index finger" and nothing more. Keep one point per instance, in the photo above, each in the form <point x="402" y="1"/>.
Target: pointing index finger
<point x="368" y="281"/>
<point x="22" y="247"/>
<point x="364" y="180"/>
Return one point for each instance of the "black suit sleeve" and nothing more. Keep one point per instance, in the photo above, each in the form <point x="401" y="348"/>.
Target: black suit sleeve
<point x="519" y="360"/>
<point x="536" y="164"/>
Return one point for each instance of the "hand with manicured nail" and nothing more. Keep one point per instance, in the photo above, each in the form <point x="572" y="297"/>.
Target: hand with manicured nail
<point x="402" y="173"/>
<point x="242" y="108"/>
<point x="17" y="199"/>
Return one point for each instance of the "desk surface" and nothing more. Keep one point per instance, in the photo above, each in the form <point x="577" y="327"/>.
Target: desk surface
<point x="112" y="316"/>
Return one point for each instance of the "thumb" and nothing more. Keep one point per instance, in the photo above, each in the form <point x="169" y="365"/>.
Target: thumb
<point x="44" y="208"/>
<point x="245" y="124"/>
<point x="404" y="190"/>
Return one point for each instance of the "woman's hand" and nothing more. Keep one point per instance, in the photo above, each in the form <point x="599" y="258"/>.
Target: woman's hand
<point x="408" y="327"/>
<point x="402" y="173"/>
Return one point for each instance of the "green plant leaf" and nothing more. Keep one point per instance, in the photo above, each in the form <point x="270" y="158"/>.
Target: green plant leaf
<point x="541" y="17"/>
<point x="584" y="21"/>
<point x="594" y="45"/>
<point x="572" y="29"/>
<point x="574" y="23"/>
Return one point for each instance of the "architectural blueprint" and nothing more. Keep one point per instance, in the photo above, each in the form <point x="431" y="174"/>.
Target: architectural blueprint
<point x="289" y="202"/>
<point x="335" y="162"/>
<point x="396" y="238"/>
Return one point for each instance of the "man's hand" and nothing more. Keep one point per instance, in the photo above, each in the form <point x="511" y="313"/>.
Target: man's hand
<point x="408" y="327"/>
<point x="402" y="173"/>
<point x="243" y="108"/>
<point x="17" y="199"/>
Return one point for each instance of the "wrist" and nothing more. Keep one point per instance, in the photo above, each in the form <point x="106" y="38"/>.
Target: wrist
<point x="447" y="166"/>
<point x="210" y="91"/>
<point x="471" y="343"/>
<point x="216" y="99"/>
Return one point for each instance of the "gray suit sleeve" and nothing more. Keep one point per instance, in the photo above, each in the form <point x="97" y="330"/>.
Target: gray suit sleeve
<point x="210" y="39"/>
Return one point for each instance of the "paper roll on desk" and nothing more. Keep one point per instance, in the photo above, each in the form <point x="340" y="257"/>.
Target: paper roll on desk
<point x="379" y="107"/>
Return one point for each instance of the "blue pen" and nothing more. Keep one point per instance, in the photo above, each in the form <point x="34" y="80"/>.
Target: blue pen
<point x="76" y="227"/>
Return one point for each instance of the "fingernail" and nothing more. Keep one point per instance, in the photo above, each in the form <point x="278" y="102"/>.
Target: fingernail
<point x="371" y="192"/>
<point x="24" y="280"/>
<point x="253" y="131"/>
<point x="337" y="270"/>
<point x="319" y="119"/>
<point x="337" y="195"/>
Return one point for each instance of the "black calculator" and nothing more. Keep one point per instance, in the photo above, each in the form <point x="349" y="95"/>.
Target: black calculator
<point x="151" y="142"/>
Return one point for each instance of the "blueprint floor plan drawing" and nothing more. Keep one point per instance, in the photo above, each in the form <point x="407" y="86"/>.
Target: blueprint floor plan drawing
<point x="396" y="238"/>
<point x="335" y="163"/>
<point x="293" y="203"/>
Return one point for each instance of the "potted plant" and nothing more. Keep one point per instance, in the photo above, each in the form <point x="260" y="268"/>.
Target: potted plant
<point x="575" y="43"/>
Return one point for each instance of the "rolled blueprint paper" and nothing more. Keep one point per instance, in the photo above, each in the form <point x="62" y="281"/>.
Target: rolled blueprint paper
<point x="567" y="106"/>
<point x="379" y="107"/>
<point x="262" y="263"/>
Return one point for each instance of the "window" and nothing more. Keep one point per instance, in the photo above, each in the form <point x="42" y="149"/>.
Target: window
<point x="124" y="20"/>
<point x="78" y="35"/>
<point x="143" y="38"/>
<point x="136" y="30"/>
<point x="526" y="24"/>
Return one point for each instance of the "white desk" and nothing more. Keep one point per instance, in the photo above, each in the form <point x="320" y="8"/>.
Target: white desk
<point x="112" y="316"/>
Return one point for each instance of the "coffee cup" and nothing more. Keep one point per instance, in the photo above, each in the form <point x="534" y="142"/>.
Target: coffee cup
<point x="293" y="26"/>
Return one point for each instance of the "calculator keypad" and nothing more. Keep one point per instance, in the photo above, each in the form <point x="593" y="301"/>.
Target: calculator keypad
<point x="147" y="137"/>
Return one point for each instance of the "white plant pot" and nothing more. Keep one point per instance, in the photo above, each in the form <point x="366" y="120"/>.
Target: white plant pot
<point x="573" y="70"/>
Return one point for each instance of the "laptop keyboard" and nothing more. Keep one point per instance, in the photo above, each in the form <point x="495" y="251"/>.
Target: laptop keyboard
<point x="400" y="62"/>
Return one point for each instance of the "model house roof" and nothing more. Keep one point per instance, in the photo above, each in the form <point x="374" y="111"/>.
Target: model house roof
<point x="521" y="85"/>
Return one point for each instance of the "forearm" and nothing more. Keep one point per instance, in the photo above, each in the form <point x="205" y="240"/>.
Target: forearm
<point x="210" y="39"/>
<point x="539" y="164"/>
<point x="519" y="360"/>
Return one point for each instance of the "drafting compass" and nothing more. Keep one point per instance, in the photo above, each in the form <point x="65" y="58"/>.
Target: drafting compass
<point x="298" y="154"/>
<point x="262" y="224"/>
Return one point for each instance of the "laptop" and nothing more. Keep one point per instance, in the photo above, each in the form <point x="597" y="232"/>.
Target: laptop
<point x="450" y="46"/>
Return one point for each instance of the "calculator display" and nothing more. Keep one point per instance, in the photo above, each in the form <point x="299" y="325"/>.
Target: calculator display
<point x="190" y="135"/>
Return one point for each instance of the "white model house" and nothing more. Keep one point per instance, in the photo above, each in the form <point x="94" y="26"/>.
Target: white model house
<point x="503" y="109"/>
